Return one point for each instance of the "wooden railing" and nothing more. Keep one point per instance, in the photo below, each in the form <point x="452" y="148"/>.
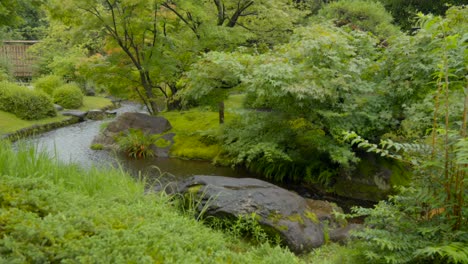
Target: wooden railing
<point x="15" y="52"/>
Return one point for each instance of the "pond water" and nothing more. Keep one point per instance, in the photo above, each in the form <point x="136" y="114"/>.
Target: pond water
<point x="72" y="144"/>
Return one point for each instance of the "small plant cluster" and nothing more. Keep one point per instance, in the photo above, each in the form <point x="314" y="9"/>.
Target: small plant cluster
<point x="245" y="227"/>
<point x="66" y="95"/>
<point x="137" y="144"/>
<point x="25" y="103"/>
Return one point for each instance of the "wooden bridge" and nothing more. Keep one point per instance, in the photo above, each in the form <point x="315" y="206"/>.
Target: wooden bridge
<point x="15" y="52"/>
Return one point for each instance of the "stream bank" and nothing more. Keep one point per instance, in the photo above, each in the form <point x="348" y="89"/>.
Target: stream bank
<point x="72" y="144"/>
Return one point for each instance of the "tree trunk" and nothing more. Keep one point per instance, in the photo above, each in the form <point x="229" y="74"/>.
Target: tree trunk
<point x="149" y="94"/>
<point x="221" y="112"/>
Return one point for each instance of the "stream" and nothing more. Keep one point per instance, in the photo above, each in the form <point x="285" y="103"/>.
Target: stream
<point x="71" y="144"/>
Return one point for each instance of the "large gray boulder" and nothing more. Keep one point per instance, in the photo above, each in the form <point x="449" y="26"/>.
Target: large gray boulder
<point x="279" y="211"/>
<point x="144" y="122"/>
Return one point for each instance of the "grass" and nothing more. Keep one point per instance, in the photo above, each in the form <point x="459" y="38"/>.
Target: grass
<point x="94" y="102"/>
<point x="9" y="123"/>
<point x="196" y="130"/>
<point x="53" y="212"/>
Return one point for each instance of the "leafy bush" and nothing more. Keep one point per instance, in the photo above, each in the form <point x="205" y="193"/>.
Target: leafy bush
<point x="136" y="144"/>
<point x="48" y="83"/>
<point x="361" y="15"/>
<point x="427" y="221"/>
<point x="25" y="103"/>
<point x="69" y="96"/>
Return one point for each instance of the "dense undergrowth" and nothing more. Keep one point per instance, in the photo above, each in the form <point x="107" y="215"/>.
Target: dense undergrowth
<point x="52" y="212"/>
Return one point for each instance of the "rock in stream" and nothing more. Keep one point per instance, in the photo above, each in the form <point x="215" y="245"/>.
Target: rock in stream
<point x="279" y="211"/>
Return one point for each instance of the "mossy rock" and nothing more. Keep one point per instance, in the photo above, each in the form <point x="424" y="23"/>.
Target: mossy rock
<point x="373" y="179"/>
<point x="279" y="212"/>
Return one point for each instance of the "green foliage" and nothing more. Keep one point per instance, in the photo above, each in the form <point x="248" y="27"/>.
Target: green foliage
<point x="426" y="222"/>
<point x="305" y="93"/>
<point x="60" y="213"/>
<point x="62" y="50"/>
<point x="136" y="144"/>
<point x="366" y="15"/>
<point x="404" y="11"/>
<point x="6" y="70"/>
<point x="208" y="80"/>
<point x="25" y="103"/>
<point x="243" y="227"/>
<point x="48" y="83"/>
<point x="407" y="230"/>
<point x="68" y="96"/>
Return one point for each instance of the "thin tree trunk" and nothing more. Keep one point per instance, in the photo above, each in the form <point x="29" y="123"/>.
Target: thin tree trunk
<point x="221" y="112"/>
<point x="153" y="109"/>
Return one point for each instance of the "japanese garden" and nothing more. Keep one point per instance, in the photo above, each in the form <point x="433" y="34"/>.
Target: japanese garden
<point x="233" y="131"/>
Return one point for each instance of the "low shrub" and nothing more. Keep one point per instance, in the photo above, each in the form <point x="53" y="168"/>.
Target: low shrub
<point x="25" y="103"/>
<point x="69" y="96"/>
<point x="48" y="83"/>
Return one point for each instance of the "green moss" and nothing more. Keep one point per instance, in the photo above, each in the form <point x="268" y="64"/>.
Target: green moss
<point x="95" y="102"/>
<point x="367" y="184"/>
<point x="370" y="166"/>
<point x="275" y="217"/>
<point x="193" y="127"/>
<point x="190" y="147"/>
<point x="162" y="143"/>
<point x="296" y="218"/>
<point x="97" y="147"/>
<point x="311" y="216"/>
<point x="355" y="190"/>
<point x="194" y="189"/>
<point x="282" y="227"/>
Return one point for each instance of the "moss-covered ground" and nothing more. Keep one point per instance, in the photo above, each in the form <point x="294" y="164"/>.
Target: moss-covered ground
<point x="10" y="123"/>
<point x="95" y="102"/>
<point x="196" y="129"/>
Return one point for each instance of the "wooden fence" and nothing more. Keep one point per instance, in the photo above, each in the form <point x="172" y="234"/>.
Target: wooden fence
<point x="15" y="52"/>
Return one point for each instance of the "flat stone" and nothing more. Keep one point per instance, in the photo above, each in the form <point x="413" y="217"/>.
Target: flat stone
<point x="58" y="107"/>
<point x="76" y="113"/>
<point x="111" y="113"/>
<point x="96" y="114"/>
